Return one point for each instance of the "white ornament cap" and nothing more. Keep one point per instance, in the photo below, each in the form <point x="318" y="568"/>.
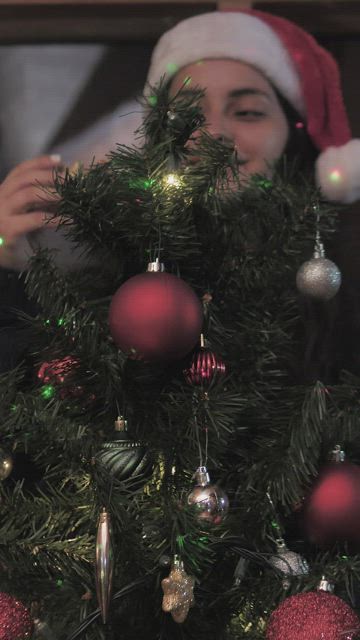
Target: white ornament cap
<point x="202" y="477"/>
<point x="156" y="266"/>
<point x="325" y="585"/>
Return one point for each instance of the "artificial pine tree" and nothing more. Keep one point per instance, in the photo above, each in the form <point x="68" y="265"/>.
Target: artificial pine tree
<point x="188" y="519"/>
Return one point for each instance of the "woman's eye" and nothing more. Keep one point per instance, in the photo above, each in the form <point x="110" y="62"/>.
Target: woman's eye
<point x="248" y="113"/>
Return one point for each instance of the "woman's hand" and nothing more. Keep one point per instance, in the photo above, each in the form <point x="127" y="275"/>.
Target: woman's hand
<point x="24" y="204"/>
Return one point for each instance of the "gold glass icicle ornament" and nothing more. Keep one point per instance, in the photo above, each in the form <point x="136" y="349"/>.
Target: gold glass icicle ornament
<point x="178" y="590"/>
<point x="104" y="564"/>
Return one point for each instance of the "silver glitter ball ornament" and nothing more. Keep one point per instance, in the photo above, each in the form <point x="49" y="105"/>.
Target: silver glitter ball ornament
<point x="209" y="501"/>
<point x="319" y="278"/>
<point x="289" y="563"/>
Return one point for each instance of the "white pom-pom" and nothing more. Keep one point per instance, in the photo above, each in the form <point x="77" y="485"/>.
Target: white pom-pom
<point x="338" y="172"/>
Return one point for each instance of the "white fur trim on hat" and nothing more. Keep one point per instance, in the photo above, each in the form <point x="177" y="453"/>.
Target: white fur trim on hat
<point x="232" y="35"/>
<point x="338" y="172"/>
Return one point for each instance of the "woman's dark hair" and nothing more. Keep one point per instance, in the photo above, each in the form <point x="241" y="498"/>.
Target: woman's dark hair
<point x="332" y="329"/>
<point x="299" y="147"/>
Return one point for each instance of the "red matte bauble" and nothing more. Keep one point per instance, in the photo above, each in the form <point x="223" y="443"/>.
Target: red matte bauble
<point x="332" y="509"/>
<point x="316" y="615"/>
<point x="15" y="620"/>
<point x="205" y="368"/>
<point x="155" y="316"/>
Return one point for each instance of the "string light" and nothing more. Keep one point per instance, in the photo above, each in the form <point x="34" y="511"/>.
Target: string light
<point x="48" y="391"/>
<point x="172" y="67"/>
<point x="172" y="180"/>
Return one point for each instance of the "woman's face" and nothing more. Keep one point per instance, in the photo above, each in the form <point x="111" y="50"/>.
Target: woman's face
<point x="241" y="106"/>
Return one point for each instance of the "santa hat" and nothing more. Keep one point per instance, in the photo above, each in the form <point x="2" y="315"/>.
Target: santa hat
<point x="296" y="65"/>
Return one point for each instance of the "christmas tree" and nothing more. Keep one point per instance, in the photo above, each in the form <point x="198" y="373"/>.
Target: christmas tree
<point x="164" y="450"/>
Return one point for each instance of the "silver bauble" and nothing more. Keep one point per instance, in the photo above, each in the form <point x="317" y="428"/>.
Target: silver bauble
<point x="6" y="464"/>
<point x="289" y="563"/>
<point x="210" y="501"/>
<point x="319" y="278"/>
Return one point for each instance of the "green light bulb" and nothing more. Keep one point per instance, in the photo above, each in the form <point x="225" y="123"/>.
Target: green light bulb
<point x="48" y="391"/>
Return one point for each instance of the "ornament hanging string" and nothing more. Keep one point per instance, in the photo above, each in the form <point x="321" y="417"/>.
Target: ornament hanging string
<point x="202" y="462"/>
<point x="277" y="526"/>
<point x="318" y="242"/>
<point x="159" y="248"/>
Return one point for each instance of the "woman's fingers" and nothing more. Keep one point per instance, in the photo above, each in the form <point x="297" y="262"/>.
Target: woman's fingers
<point x="26" y="197"/>
<point x="19" y="226"/>
<point x="36" y="164"/>
<point x="32" y="177"/>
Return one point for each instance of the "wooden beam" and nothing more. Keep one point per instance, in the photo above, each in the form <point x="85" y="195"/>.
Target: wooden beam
<point x="153" y="3"/>
<point x="99" y="3"/>
<point x="26" y="21"/>
<point x="234" y="4"/>
<point x="323" y="17"/>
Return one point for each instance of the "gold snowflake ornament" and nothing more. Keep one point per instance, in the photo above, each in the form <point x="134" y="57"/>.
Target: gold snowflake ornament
<point x="178" y="590"/>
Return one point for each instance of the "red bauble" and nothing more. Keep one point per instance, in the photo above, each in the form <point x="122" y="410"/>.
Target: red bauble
<point x="316" y="615"/>
<point x="155" y="316"/>
<point x="56" y="371"/>
<point x="15" y="620"/>
<point x="205" y="367"/>
<point x="332" y="510"/>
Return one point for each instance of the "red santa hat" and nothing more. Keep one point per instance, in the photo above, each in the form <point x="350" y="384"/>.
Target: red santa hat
<point x="291" y="59"/>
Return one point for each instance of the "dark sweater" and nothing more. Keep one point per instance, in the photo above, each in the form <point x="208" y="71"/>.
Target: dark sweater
<point x="13" y="334"/>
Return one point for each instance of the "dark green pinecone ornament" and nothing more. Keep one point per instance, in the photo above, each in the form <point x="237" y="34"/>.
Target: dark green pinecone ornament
<point x="124" y="459"/>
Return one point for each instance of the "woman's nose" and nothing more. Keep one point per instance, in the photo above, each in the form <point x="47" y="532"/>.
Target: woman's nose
<point x="217" y="127"/>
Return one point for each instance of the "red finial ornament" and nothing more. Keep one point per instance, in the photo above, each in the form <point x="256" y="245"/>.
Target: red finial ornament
<point x="205" y="367"/>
